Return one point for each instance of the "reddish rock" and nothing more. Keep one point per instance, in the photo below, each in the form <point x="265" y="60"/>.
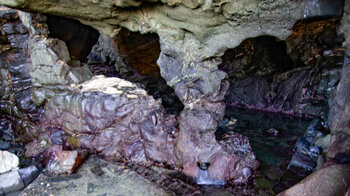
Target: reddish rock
<point x="58" y="161"/>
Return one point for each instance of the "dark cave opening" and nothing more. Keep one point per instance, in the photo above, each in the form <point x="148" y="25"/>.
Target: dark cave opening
<point x="133" y="56"/>
<point x="78" y="37"/>
<point x="296" y="76"/>
<point x="130" y="55"/>
<point x="272" y="84"/>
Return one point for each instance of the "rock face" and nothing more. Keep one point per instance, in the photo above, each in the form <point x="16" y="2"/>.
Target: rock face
<point x="339" y="115"/>
<point x="332" y="180"/>
<point x="297" y="76"/>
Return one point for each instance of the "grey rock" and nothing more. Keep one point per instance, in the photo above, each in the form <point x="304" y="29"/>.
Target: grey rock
<point x="8" y="14"/>
<point x="10" y="182"/>
<point x="323" y="8"/>
<point x="301" y="163"/>
<point x="9" y="28"/>
<point x="28" y="174"/>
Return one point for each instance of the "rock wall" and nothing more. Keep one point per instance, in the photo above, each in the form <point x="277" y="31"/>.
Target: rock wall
<point x="339" y="115"/>
<point x="297" y="76"/>
<point x="16" y="103"/>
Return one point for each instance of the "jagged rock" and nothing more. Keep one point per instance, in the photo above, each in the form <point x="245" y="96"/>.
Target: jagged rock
<point x="304" y="160"/>
<point x="120" y="121"/>
<point x="332" y="180"/>
<point x="10" y="182"/>
<point x="8" y="14"/>
<point x="8" y="161"/>
<point x="28" y="174"/>
<point x="58" y="161"/>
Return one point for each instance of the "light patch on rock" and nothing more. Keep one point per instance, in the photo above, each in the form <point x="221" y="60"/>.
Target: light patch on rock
<point x="111" y="85"/>
<point x="8" y="161"/>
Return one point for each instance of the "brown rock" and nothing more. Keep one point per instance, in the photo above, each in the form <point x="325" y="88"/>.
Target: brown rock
<point x="332" y="180"/>
<point x="59" y="161"/>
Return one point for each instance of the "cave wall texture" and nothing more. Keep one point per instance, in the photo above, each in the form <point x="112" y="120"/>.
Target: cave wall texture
<point x="193" y="35"/>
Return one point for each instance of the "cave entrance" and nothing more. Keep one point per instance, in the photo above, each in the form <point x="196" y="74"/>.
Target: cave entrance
<point x="133" y="56"/>
<point x="130" y="55"/>
<point x="78" y="37"/>
<point x="272" y="84"/>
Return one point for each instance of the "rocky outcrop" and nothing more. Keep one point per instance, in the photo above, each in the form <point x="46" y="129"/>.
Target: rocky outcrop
<point x="116" y="119"/>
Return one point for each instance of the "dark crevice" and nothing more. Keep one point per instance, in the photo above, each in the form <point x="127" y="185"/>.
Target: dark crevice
<point x="78" y="37"/>
<point x="296" y="76"/>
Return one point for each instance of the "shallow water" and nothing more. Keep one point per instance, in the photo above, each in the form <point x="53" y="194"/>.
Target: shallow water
<point x="272" y="137"/>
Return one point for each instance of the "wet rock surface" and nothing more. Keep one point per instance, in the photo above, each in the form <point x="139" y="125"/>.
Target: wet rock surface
<point x="130" y="125"/>
<point x="273" y="152"/>
<point x="295" y="77"/>
<point x="306" y="152"/>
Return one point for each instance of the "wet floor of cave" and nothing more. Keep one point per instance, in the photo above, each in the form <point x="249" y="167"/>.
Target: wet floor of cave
<point x="272" y="137"/>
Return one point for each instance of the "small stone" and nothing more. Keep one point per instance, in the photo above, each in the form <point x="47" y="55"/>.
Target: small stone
<point x="28" y="174"/>
<point x="301" y="164"/>
<point x="271" y="132"/>
<point x="10" y="182"/>
<point x="8" y="161"/>
<point x="59" y="161"/>
<point x="9" y="28"/>
<point x="315" y="149"/>
<point x="43" y="143"/>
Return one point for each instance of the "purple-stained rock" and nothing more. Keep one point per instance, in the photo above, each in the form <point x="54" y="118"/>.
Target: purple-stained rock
<point x="118" y="120"/>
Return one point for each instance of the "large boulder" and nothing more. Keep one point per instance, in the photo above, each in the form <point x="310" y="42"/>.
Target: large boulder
<point x="332" y="180"/>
